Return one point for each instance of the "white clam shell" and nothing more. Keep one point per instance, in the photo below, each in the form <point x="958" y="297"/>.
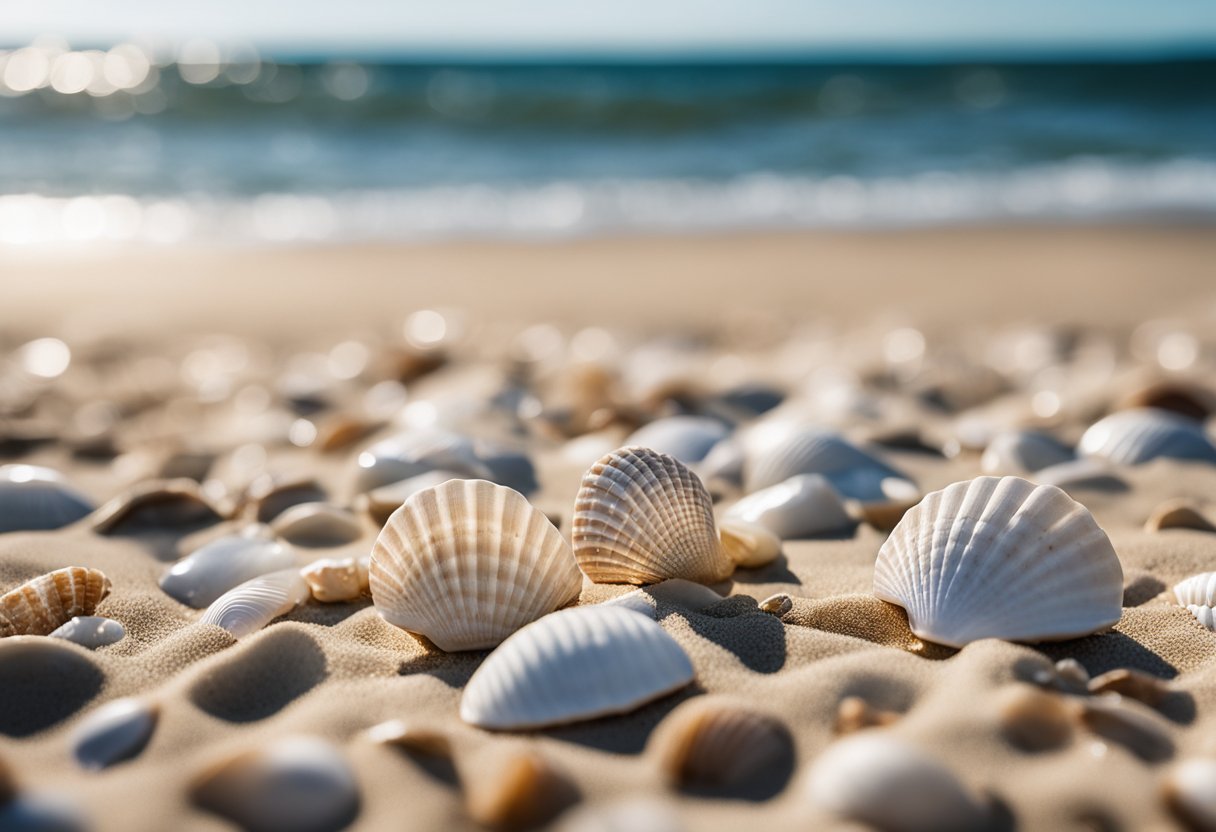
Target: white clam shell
<point x="1190" y="789"/>
<point x="90" y="631"/>
<point x="801" y="506"/>
<point x="254" y="604"/>
<point x="1023" y="451"/>
<point x="687" y="438"/>
<point x="641" y="517"/>
<point x="1000" y="558"/>
<point x="851" y="471"/>
<point x="467" y="563"/>
<point x="417" y="452"/>
<point x="198" y="579"/>
<point x="114" y="732"/>
<point x="1133" y="437"/>
<point x="576" y="664"/>
<point x="885" y="783"/>
<point x="1198" y="594"/>
<point x="33" y="498"/>
<point x="749" y="545"/>
<point x="317" y="525"/>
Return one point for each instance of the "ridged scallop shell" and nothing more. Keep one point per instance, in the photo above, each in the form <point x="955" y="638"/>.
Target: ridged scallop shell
<point x="1133" y="437"/>
<point x="1023" y="451"/>
<point x="1000" y="558"/>
<point x="41" y="606"/>
<point x="467" y="563"/>
<point x="203" y="576"/>
<point x="317" y="525"/>
<point x="801" y="506"/>
<point x="416" y="452"/>
<point x="90" y="631"/>
<point x="254" y="604"/>
<point x="641" y="517"/>
<point x="706" y="743"/>
<point x="115" y="732"/>
<point x="850" y="470"/>
<point x="1198" y="594"/>
<point x="687" y="438"/>
<point x="575" y="664"/>
<point x="33" y="498"/>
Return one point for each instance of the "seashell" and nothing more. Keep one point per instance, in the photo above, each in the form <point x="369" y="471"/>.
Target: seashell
<point x="1139" y="731"/>
<point x="203" y="576"/>
<point x="801" y="506"/>
<point x="33" y="498"/>
<point x="116" y="731"/>
<point x="416" y="452"/>
<point x="1190" y="399"/>
<point x="1000" y="558"/>
<point x="638" y="600"/>
<point x="507" y="467"/>
<point x="42" y="812"/>
<point x="469" y="562"/>
<point x="90" y="631"/>
<point x="269" y="495"/>
<point x="851" y="471"/>
<point x="334" y="579"/>
<point x="778" y="604"/>
<point x="418" y="739"/>
<point x="317" y="525"/>
<point x="251" y="606"/>
<point x="854" y="713"/>
<point x="1190" y="791"/>
<point x="381" y="502"/>
<point x="687" y="438"/>
<point x="1198" y="594"/>
<point x="1134" y="684"/>
<point x="156" y="504"/>
<point x="641" y="517"/>
<point x="295" y="784"/>
<point x="1178" y="514"/>
<point x="749" y="545"/>
<point x="1090" y="474"/>
<point x="1033" y="720"/>
<point x="1133" y="437"/>
<point x="576" y="664"/>
<point x="41" y="606"/>
<point x="707" y="743"/>
<point x="1023" y="451"/>
<point x="724" y="463"/>
<point x="519" y="791"/>
<point x="878" y="780"/>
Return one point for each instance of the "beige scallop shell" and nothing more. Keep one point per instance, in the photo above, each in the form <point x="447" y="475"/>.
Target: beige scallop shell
<point x="641" y="517"/>
<point x="708" y="742"/>
<point x="41" y="606"/>
<point x="467" y="563"/>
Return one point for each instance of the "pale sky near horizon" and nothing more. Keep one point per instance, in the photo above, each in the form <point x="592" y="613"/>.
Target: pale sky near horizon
<point x="632" y="26"/>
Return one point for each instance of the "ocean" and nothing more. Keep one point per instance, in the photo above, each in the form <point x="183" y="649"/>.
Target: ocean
<point x="261" y="152"/>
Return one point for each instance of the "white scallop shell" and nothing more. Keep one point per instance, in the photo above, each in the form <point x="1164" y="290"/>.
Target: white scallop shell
<point x="641" y="517"/>
<point x="90" y="631"/>
<point x="254" y="604"/>
<point x="1000" y="558"/>
<point x="467" y="563"/>
<point x="850" y="470"/>
<point x="1023" y="451"/>
<point x="1198" y="594"/>
<point x="575" y="664"/>
<point x="33" y="498"/>
<point x="1132" y="437"/>
<point x="207" y="573"/>
<point x="114" y="732"/>
<point x="801" y="506"/>
<point x="687" y="438"/>
<point x="416" y="452"/>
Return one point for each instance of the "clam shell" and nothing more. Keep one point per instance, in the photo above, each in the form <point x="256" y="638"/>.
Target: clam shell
<point x="708" y="743"/>
<point x="41" y="606"/>
<point x="332" y="580"/>
<point x="33" y="498"/>
<point x="875" y="779"/>
<point x="203" y="576"/>
<point x="254" y="604"/>
<point x="469" y="562"/>
<point x="1190" y="791"/>
<point x="641" y="517"/>
<point x="1023" y="451"/>
<point x="416" y="452"/>
<point x="687" y="438"/>
<point x="799" y="507"/>
<point x="572" y="665"/>
<point x="1000" y="558"/>
<point x="317" y="525"/>
<point x="1133" y="437"/>
<point x="90" y="631"/>
<point x="115" y="732"/>
<point x="850" y="470"/>
<point x="156" y="504"/>
<point x="749" y="545"/>
<point x="521" y="790"/>
<point x="1178" y="514"/>
<point x="294" y="784"/>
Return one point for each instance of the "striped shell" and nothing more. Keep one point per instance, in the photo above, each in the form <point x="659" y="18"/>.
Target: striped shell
<point x="850" y="470"/>
<point x="709" y="743"/>
<point x="216" y="567"/>
<point x="1133" y="437"/>
<point x="33" y="498"/>
<point x="641" y="517"/>
<point x="576" y="664"/>
<point x="467" y="563"/>
<point x="1198" y="594"/>
<point x="1000" y="558"/>
<point x="254" y="604"/>
<point x="41" y="606"/>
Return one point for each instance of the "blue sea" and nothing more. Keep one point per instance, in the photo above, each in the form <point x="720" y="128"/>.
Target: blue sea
<point x="257" y="151"/>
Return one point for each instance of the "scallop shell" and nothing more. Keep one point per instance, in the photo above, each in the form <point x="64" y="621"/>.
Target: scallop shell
<point x="641" y="517"/>
<point x="416" y="452"/>
<point x="880" y="781"/>
<point x="1023" y="451"/>
<point x="317" y="525"/>
<point x="200" y="578"/>
<point x="33" y="498"/>
<point x="687" y="438"/>
<point x="156" y="504"/>
<point x="1198" y="594"/>
<point x="41" y="606"/>
<point x="1133" y="437"/>
<point x="1000" y="558"/>
<point x="469" y="562"/>
<point x="850" y="470"/>
<point x="576" y="664"/>
<point x="115" y="732"/>
<point x="332" y="580"/>
<point x="1190" y="791"/>
<point x="90" y="631"/>
<point x="799" y="507"/>
<point x="708" y="743"/>
<point x="254" y="604"/>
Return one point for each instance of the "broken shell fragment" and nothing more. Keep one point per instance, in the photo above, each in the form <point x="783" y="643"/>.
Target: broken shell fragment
<point x="333" y="580"/>
<point x="43" y="605"/>
<point x="777" y="605"/>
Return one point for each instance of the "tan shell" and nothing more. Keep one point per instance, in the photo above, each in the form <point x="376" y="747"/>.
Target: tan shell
<point x="854" y="713"/>
<point x="1035" y="720"/>
<point x="1134" y="684"/>
<point x="41" y="606"/>
<point x="415" y="738"/>
<point x="518" y="791"/>
<point x="706" y="743"/>
<point x="332" y="580"/>
<point x="641" y="517"/>
<point x="1178" y="514"/>
<point x="156" y="504"/>
<point x="467" y="563"/>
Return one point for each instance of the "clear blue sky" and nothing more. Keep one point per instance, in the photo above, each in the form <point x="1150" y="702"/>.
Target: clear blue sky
<point x="633" y="26"/>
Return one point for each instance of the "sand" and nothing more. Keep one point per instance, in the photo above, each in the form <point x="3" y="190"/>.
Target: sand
<point x="335" y="670"/>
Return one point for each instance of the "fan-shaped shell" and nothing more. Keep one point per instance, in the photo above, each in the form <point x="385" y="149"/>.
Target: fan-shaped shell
<point x="575" y="664"/>
<point x="687" y="438"/>
<point x="213" y="569"/>
<point x="641" y="517"/>
<point x="801" y="506"/>
<point x="850" y="470"/>
<point x="1023" y="451"/>
<point x="467" y="563"/>
<point x="41" y="606"/>
<point x="254" y="604"/>
<point x="1133" y="437"/>
<point x="707" y="742"/>
<point x="1000" y="558"/>
<point x="33" y="498"/>
<point x="90" y="631"/>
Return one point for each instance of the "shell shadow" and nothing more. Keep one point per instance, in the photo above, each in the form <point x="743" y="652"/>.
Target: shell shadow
<point x="439" y="767"/>
<point x="736" y="624"/>
<point x="1110" y="651"/>
<point x="775" y="572"/>
<point x="453" y="669"/>
<point x="266" y="677"/>
<point x="42" y="683"/>
<point x="628" y="732"/>
<point x="881" y="692"/>
<point x="1142" y="589"/>
<point x="328" y="615"/>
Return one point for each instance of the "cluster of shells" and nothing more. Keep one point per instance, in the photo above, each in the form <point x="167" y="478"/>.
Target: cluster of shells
<point x="400" y="473"/>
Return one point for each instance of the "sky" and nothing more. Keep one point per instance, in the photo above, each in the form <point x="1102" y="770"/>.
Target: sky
<point x="634" y="27"/>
